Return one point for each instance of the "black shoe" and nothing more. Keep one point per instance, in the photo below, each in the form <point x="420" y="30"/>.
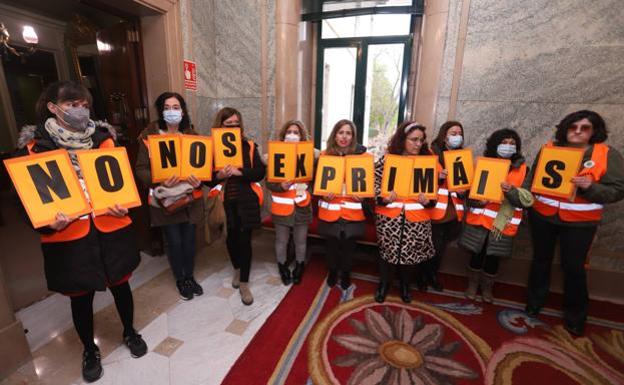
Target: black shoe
<point x="575" y="330"/>
<point x="421" y="283"/>
<point x="406" y="294"/>
<point x="298" y="272"/>
<point x="136" y="344"/>
<point x="531" y="311"/>
<point x="332" y="278"/>
<point x="91" y="365"/>
<point x="382" y="292"/>
<point x="195" y="287"/>
<point x="345" y="280"/>
<point x="284" y="273"/>
<point x="434" y="282"/>
<point x="185" y="289"/>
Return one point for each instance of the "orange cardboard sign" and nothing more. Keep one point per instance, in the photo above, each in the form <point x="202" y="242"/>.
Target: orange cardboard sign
<point x="304" y="171"/>
<point x="165" y="156"/>
<point x="360" y="175"/>
<point x="282" y="161"/>
<point x="228" y="147"/>
<point x="108" y="178"/>
<point x="330" y="172"/>
<point x="460" y="167"/>
<point x="489" y="174"/>
<point x="555" y="169"/>
<point x="47" y="184"/>
<point x="424" y="176"/>
<point x="196" y="157"/>
<point x="397" y="175"/>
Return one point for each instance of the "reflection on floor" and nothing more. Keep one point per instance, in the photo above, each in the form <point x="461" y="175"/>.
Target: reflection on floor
<point x="194" y="342"/>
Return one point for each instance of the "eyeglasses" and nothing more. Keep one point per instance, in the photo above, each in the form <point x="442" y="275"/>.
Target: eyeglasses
<point x="583" y="127"/>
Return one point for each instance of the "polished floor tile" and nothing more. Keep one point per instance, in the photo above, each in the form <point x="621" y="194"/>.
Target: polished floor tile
<point x="190" y="342"/>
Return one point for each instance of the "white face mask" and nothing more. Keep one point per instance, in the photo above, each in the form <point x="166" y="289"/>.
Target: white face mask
<point x="292" y="138"/>
<point x="454" y="141"/>
<point x="172" y="116"/>
<point x="506" y="150"/>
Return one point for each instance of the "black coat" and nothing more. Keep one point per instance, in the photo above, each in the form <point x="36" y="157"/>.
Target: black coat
<point x="92" y="262"/>
<point x="244" y="210"/>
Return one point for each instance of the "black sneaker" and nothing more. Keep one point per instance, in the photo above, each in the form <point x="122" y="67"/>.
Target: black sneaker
<point x="185" y="289"/>
<point x="91" y="365"/>
<point x="195" y="287"/>
<point x="136" y="344"/>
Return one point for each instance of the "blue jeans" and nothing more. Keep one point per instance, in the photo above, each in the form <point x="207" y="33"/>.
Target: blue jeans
<point x="180" y="247"/>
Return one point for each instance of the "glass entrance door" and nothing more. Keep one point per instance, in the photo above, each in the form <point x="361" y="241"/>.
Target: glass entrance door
<point x="363" y="79"/>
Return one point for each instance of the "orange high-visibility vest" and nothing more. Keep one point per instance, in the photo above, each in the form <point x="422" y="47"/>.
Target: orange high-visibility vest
<point x="439" y="210"/>
<point x="580" y="209"/>
<point x="484" y="216"/>
<point x="81" y="226"/>
<point x="283" y="203"/>
<point x="414" y="211"/>
<point x="255" y="186"/>
<point x="340" y="207"/>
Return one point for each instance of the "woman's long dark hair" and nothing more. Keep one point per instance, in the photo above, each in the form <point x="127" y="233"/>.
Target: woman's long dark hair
<point x="497" y="138"/>
<point x="58" y="93"/>
<point x="396" y="145"/>
<point x="440" y="139"/>
<point x="600" y="128"/>
<point x="185" y="124"/>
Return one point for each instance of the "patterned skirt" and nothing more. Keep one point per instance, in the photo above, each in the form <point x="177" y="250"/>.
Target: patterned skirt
<point x="402" y="242"/>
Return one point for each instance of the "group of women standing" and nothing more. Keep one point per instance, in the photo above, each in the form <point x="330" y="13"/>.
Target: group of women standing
<point x="89" y="253"/>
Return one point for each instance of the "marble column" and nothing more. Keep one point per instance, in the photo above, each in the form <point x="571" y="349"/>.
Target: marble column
<point x="14" y="350"/>
<point x="287" y="15"/>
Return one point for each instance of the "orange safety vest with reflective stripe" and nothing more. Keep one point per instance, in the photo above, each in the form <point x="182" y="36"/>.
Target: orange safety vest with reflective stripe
<point x="484" y="216"/>
<point x="414" y="211"/>
<point x="340" y="207"/>
<point x="255" y="186"/>
<point x="439" y="210"/>
<point x="283" y="203"/>
<point x="81" y="226"/>
<point x="580" y="209"/>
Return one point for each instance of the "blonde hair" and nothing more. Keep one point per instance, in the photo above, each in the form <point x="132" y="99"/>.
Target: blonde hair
<point x="332" y="147"/>
<point x="303" y="133"/>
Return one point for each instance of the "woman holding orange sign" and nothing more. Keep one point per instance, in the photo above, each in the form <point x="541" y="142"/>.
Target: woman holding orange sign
<point x="403" y="225"/>
<point x="89" y="253"/>
<point x="175" y="206"/>
<point x="341" y="218"/>
<point x="490" y="227"/>
<point x="574" y="221"/>
<point x="291" y="211"/>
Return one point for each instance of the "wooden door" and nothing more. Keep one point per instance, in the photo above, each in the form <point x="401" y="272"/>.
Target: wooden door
<point x="123" y="81"/>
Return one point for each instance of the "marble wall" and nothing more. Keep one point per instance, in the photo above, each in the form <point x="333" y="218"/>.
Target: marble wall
<point x="525" y="65"/>
<point x="232" y="42"/>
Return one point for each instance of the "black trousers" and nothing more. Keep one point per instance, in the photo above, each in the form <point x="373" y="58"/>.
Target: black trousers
<point x="574" y="244"/>
<point x="483" y="261"/>
<point x="238" y="242"/>
<point x="386" y="272"/>
<point x="82" y="313"/>
<point x="441" y="235"/>
<point x="339" y="254"/>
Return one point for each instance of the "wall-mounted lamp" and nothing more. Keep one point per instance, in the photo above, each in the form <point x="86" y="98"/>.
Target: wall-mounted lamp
<point x="29" y="35"/>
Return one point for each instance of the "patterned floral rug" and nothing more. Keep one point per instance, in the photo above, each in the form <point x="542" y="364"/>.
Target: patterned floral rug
<point x="320" y="336"/>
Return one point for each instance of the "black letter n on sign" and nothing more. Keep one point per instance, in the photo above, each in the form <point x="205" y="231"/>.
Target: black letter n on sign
<point x="45" y="182"/>
<point x="109" y="173"/>
<point x="167" y="154"/>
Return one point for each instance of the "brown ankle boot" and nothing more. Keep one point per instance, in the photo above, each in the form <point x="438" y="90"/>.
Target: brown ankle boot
<point x="245" y="293"/>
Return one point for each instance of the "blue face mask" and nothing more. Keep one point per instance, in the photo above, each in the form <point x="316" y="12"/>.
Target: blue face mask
<point x="506" y="150"/>
<point x="172" y="116"/>
<point x="454" y="141"/>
